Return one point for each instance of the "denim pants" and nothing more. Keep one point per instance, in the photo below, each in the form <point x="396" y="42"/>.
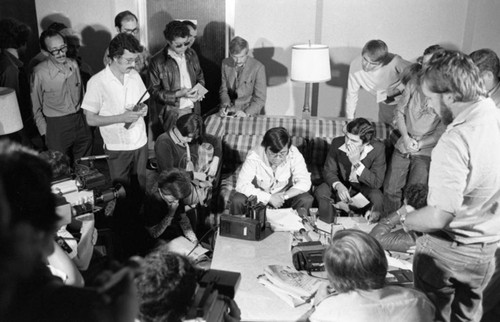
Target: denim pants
<point x="404" y="169"/>
<point x="238" y="201"/>
<point x="453" y="276"/>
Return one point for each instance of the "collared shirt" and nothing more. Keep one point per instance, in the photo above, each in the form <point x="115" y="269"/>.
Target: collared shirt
<point x="391" y="303"/>
<point x="107" y="96"/>
<point x="56" y="90"/>
<point x="382" y="79"/>
<point x="185" y="79"/>
<point x="356" y="172"/>
<point x="258" y="178"/>
<point x="464" y="176"/>
<point x="495" y="94"/>
<point x="421" y="120"/>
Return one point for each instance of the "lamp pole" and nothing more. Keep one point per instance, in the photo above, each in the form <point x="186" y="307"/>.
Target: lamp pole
<point x="306" y="110"/>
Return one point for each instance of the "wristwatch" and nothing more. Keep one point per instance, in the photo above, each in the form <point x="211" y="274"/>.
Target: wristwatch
<point x="356" y="166"/>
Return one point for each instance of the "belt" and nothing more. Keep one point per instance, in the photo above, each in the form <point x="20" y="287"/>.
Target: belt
<point x="444" y="236"/>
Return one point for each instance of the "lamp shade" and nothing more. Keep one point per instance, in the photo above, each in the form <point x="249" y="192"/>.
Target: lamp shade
<point x="10" y="116"/>
<point x="310" y="63"/>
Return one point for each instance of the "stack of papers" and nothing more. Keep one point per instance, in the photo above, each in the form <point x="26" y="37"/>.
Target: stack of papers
<point x="285" y="219"/>
<point x="292" y="286"/>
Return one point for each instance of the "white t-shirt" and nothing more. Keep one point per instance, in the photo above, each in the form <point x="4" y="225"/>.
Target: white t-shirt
<point x="107" y="96"/>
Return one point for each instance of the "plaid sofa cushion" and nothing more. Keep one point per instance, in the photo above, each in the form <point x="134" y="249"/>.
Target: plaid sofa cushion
<point x="312" y="136"/>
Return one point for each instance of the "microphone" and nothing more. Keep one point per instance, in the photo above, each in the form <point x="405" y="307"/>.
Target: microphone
<point x="94" y="157"/>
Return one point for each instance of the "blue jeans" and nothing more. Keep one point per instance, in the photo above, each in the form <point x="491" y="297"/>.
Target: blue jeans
<point x="404" y="169"/>
<point x="453" y="276"/>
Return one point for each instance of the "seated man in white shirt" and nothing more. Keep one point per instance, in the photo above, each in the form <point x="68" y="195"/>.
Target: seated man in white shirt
<point x="356" y="266"/>
<point x="276" y="173"/>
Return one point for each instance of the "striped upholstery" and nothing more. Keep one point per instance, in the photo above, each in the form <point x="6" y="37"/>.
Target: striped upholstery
<point x="311" y="136"/>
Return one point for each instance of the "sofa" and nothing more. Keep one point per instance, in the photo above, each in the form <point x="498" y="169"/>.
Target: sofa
<point x="312" y="136"/>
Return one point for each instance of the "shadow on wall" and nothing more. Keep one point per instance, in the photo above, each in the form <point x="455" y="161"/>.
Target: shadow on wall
<point x="276" y="72"/>
<point x="156" y="25"/>
<point x="210" y="47"/>
<point x="95" y="41"/>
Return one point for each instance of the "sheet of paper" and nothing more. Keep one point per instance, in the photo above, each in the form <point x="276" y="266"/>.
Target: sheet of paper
<point x="359" y="200"/>
<point x="183" y="246"/>
<point x="381" y="96"/>
<point x="201" y="90"/>
<point x="285" y="219"/>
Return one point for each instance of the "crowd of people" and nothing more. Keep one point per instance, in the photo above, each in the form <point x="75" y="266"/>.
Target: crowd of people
<point x="434" y="189"/>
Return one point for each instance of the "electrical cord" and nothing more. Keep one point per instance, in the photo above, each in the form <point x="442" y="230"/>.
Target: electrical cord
<point x="202" y="237"/>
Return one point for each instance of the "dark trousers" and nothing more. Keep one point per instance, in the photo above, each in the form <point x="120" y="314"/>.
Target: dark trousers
<point x="327" y="212"/>
<point x="128" y="168"/>
<point x="238" y="201"/>
<point x="70" y="135"/>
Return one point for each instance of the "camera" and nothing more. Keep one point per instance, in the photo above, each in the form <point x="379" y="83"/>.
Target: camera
<point x="208" y="301"/>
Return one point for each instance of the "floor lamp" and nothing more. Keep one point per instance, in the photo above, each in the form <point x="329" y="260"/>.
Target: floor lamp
<point x="310" y="64"/>
<point x="10" y="116"/>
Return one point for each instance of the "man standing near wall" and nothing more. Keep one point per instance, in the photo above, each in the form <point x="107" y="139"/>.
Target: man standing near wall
<point x="243" y="89"/>
<point x="454" y="259"/>
<point x="127" y="22"/>
<point x="56" y="94"/>
<point x="489" y="65"/>
<point x="110" y="104"/>
<point x="378" y="72"/>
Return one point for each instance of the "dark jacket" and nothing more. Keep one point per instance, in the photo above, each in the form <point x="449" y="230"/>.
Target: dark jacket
<point x="338" y="167"/>
<point x="165" y="78"/>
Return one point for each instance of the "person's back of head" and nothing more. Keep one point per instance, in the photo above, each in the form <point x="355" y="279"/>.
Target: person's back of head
<point x="415" y="195"/>
<point x="453" y="72"/>
<point x="489" y="65"/>
<point x="166" y="286"/>
<point x="13" y="33"/>
<point x="174" y="182"/>
<point x="355" y="260"/>
<point x="59" y="163"/>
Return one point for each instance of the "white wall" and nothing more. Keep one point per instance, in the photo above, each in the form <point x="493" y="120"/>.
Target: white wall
<point x="407" y="26"/>
<point x="482" y="26"/>
<point x="93" y="20"/>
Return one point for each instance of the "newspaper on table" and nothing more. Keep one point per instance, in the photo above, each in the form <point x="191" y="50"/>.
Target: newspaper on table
<point x="284" y="219"/>
<point x="292" y="286"/>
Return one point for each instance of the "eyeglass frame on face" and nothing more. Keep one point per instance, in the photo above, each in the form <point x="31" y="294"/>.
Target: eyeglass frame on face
<point x="184" y="44"/>
<point x="371" y="63"/>
<point x="129" y="61"/>
<point x="134" y="31"/>
<point x="165" y="198"/>
<point x="57" y="51"/>
<point x="281" y="155"/>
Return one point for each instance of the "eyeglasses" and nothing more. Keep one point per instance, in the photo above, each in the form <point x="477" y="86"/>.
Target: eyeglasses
<point x="280" y="155"/>
<point x="63" y="49"/>
<point x="181" y="45"/>
<point x="129" y="60"/>
<point x="131" y="31"/>
<point x="369" y="62"/>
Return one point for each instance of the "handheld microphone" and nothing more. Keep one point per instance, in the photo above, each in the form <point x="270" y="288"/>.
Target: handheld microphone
<point x="94" y="157"/>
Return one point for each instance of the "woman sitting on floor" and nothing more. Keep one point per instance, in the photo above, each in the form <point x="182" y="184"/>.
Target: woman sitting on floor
<point x="356" y="266"/>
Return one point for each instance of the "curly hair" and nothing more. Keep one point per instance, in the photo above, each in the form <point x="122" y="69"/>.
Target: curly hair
<point x="59" y="163"/>
<point x="416" y="195"/>
<point x="13" y="33"/>
<point x="122" y="42"/>
<point x="363" y="128"/>
<point x="166" y="286"/>
<point x="175" y="182"/>
<point x="175" y="29"/>
<point x="355" y="261"/>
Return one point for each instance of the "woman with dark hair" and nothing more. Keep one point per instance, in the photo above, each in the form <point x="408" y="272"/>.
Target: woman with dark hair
<point x="356" y="266"/>
<point x="186" y="146"/>
<point x="275" y="172"/>
<point x="164" y="212"/>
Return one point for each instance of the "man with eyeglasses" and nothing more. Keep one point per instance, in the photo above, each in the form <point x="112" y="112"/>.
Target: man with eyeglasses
<point x="243" y="89"/>
<point x="174" y="71"/>
<point x="355" y="164"/>
<point x="114" y="102"/>
<point x="276" y="173"/>
<point x="56" y="95"/>
<point x="128" y="23"/>
<point x="378" y="72"/>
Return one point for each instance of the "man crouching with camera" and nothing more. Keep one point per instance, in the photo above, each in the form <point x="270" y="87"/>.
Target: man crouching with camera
<point x="167" y="289"/>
